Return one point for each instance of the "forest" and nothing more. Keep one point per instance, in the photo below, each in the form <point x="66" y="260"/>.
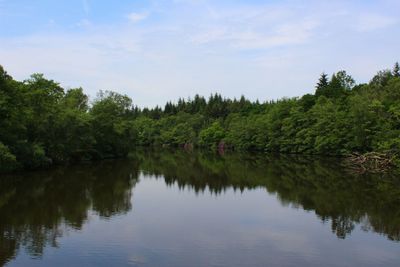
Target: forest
<point x="42" y="123"/>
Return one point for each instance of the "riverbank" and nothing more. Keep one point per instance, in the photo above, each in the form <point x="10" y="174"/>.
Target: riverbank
<point x="42" y="124"/>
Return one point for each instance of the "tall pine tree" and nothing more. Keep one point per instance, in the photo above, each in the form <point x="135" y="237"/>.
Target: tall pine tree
<point x="322" y="84"/>
<point x="396" y="70"/>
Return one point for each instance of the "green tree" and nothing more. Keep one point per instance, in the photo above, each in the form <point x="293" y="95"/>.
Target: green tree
<point x="381" y="78"/>
<point x="113" y="133"/>
<point x="396" y="70"/>
<point x="212" y="135"/>
<point x="8" y="161"/>
<point x="322" y="84"/>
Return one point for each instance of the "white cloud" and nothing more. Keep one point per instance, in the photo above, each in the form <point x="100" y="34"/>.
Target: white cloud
<point x="87" y="60"/>
<point x="254" y="28"/>
<point x="286" y="34"/>
<point x="371" y="22"/>
<point x="84" y="23"/>
<point x="209" y="35"/>
<point x="136" y="17"/>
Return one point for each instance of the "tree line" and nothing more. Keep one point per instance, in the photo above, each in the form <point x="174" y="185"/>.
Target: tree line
<point x="42" y="123"/>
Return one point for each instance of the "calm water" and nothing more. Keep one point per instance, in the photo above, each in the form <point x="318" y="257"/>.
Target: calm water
<point x="190" y="209"/>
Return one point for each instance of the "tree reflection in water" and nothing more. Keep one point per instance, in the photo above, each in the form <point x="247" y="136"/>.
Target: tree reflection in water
<point x="37" y="208"/>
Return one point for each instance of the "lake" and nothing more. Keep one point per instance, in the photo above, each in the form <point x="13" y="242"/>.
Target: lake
<point x="178" y="208"/>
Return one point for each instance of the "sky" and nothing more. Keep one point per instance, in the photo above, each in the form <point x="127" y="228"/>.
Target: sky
<point x="159" y="50"/>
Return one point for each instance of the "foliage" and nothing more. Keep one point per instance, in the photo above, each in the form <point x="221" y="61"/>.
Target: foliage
<point x="212" y="135"/>
<point x="8" y="161"/>
<point x="41" y="123"/>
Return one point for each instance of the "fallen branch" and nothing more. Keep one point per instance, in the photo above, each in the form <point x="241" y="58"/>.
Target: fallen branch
<point x="370" y="162"/>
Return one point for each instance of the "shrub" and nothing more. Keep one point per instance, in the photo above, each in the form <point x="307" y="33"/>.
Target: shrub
<point x="8" y="161"/>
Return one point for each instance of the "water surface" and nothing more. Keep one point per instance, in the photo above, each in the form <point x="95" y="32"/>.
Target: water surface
<point x="176" y="208"/>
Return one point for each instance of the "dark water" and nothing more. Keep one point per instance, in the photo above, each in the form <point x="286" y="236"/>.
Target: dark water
<point x="191" y="209"/>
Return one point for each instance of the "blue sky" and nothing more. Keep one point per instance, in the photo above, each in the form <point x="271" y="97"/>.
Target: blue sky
<point x="155" y="51"/>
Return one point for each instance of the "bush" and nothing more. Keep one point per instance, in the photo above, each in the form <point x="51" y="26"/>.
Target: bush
<point x="211" y="136"/>
<point x="8" y="161"/>
<point x="32" y="156"/>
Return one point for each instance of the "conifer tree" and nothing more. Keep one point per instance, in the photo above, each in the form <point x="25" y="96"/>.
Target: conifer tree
<point x="322" y="84"/>
<point x="396" y="70"/>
